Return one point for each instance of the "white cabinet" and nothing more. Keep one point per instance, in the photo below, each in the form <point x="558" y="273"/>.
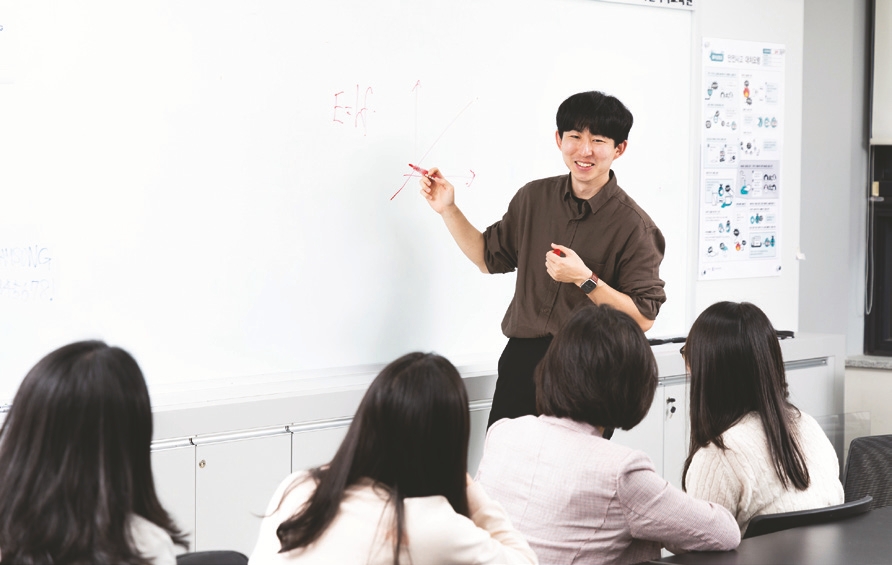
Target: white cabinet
<point x="811" y="386"/>
<point x="676" y="433"/>
<point x="815" y="389"/>
<point x="647" y="435"/>
<point x="479" y="419"/>
<point x="173" y="469"/>
<point x="234" y="482"/>
<point x="663" y="432"/>
<point x="315" y="447"/>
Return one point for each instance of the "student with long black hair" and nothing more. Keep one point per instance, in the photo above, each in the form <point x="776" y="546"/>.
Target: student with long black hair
<point x="751" y="450"/>
<point x="76" y="482"/>
<point x="397" y="490"/>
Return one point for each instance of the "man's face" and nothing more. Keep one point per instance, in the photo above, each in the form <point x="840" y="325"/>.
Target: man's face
<point x="588" y="157"/>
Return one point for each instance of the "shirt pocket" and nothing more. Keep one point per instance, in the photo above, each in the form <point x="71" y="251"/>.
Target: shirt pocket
<point x="597" y="267"/>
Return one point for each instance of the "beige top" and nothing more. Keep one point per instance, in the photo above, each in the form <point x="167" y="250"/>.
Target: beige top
<point x="742" y="477"/>
<point x="362" y="531"/>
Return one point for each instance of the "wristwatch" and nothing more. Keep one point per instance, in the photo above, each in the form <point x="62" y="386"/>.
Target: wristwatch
<point x="590" y="284"/>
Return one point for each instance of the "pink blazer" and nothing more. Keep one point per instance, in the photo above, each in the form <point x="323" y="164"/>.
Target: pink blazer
<point x="579" y="498"/>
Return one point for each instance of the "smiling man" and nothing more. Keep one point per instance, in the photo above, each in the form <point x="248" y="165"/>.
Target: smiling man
<point x="572" y="239"/>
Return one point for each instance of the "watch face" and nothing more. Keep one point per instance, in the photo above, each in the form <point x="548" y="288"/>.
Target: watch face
<point x="588" y="286"/>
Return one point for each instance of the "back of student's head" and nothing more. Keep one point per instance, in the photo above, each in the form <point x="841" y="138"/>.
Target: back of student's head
<point x="596" y="112"/>
<point x="410" y="434"/>
<point x="599" y="369"/>
<point x="75" y="459"/>
<point x="737" y="367"/>
<point x="412" y="427"/>
<point x="735" y="361"/>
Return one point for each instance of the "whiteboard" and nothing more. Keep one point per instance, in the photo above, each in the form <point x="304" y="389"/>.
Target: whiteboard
<point x="210" y="184"/>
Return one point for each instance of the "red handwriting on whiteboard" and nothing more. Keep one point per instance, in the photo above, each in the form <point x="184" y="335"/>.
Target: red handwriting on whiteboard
<point x="358" y="111"/>
<point x="423" y="172"/>
<point x="409" y="176"/>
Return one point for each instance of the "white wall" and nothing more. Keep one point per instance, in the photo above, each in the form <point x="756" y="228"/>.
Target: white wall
<point x="774" y="21"/>
<point x="828" y="58"/>
<point x="834" y="169"/>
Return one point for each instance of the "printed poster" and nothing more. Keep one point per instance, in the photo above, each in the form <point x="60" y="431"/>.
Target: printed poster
<point x="741" y="181"/>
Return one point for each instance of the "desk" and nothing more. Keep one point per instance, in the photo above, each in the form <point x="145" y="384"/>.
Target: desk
<point x="864" y="539"/>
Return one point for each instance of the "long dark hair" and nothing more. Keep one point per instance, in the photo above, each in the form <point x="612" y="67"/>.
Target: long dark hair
<point x="736" y="368"/>
<point x="76" y="464"/>
<point x="410" y="435"/>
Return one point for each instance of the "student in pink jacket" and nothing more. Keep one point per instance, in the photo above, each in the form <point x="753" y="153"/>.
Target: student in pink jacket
<point x="576" y="496"/>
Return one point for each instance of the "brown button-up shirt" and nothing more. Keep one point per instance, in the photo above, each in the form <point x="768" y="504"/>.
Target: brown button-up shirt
<point x="610" y="232"/>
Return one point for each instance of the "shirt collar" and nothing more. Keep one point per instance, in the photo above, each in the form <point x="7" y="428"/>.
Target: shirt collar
<point x="581" y="427"/>
<point x="594" y="203"/>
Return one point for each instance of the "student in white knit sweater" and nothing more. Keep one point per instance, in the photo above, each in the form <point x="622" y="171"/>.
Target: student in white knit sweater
<point x="751" y="451"/>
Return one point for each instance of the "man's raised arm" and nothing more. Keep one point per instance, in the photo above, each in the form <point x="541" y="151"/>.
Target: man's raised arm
<point x="440" y="194"/>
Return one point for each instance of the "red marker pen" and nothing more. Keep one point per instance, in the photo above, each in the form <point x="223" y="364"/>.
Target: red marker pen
<point x="559" y="253"/>
<point x="424" y="172"/>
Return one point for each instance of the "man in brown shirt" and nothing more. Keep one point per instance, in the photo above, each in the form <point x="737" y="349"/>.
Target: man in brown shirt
<point x="597" y="244"/>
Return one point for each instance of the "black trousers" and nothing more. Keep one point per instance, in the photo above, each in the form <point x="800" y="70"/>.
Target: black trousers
<point x="515" y="393"/>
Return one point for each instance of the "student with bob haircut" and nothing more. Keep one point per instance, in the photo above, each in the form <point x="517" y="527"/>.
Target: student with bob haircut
<point x="751" y="451"/>
<point x="576" y="496"/>
<point x="76" y="482"/>
<point x="397" y="490"/>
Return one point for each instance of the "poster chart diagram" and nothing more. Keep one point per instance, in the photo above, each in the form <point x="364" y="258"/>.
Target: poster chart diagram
<point x="742" y="128"/>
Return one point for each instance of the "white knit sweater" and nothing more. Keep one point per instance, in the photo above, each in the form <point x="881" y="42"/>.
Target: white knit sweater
<point x="742" y="477"/>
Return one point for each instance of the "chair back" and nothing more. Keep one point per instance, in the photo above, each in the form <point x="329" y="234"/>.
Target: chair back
<point x="768" y="523"/>
<point x="869" y="470"/>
